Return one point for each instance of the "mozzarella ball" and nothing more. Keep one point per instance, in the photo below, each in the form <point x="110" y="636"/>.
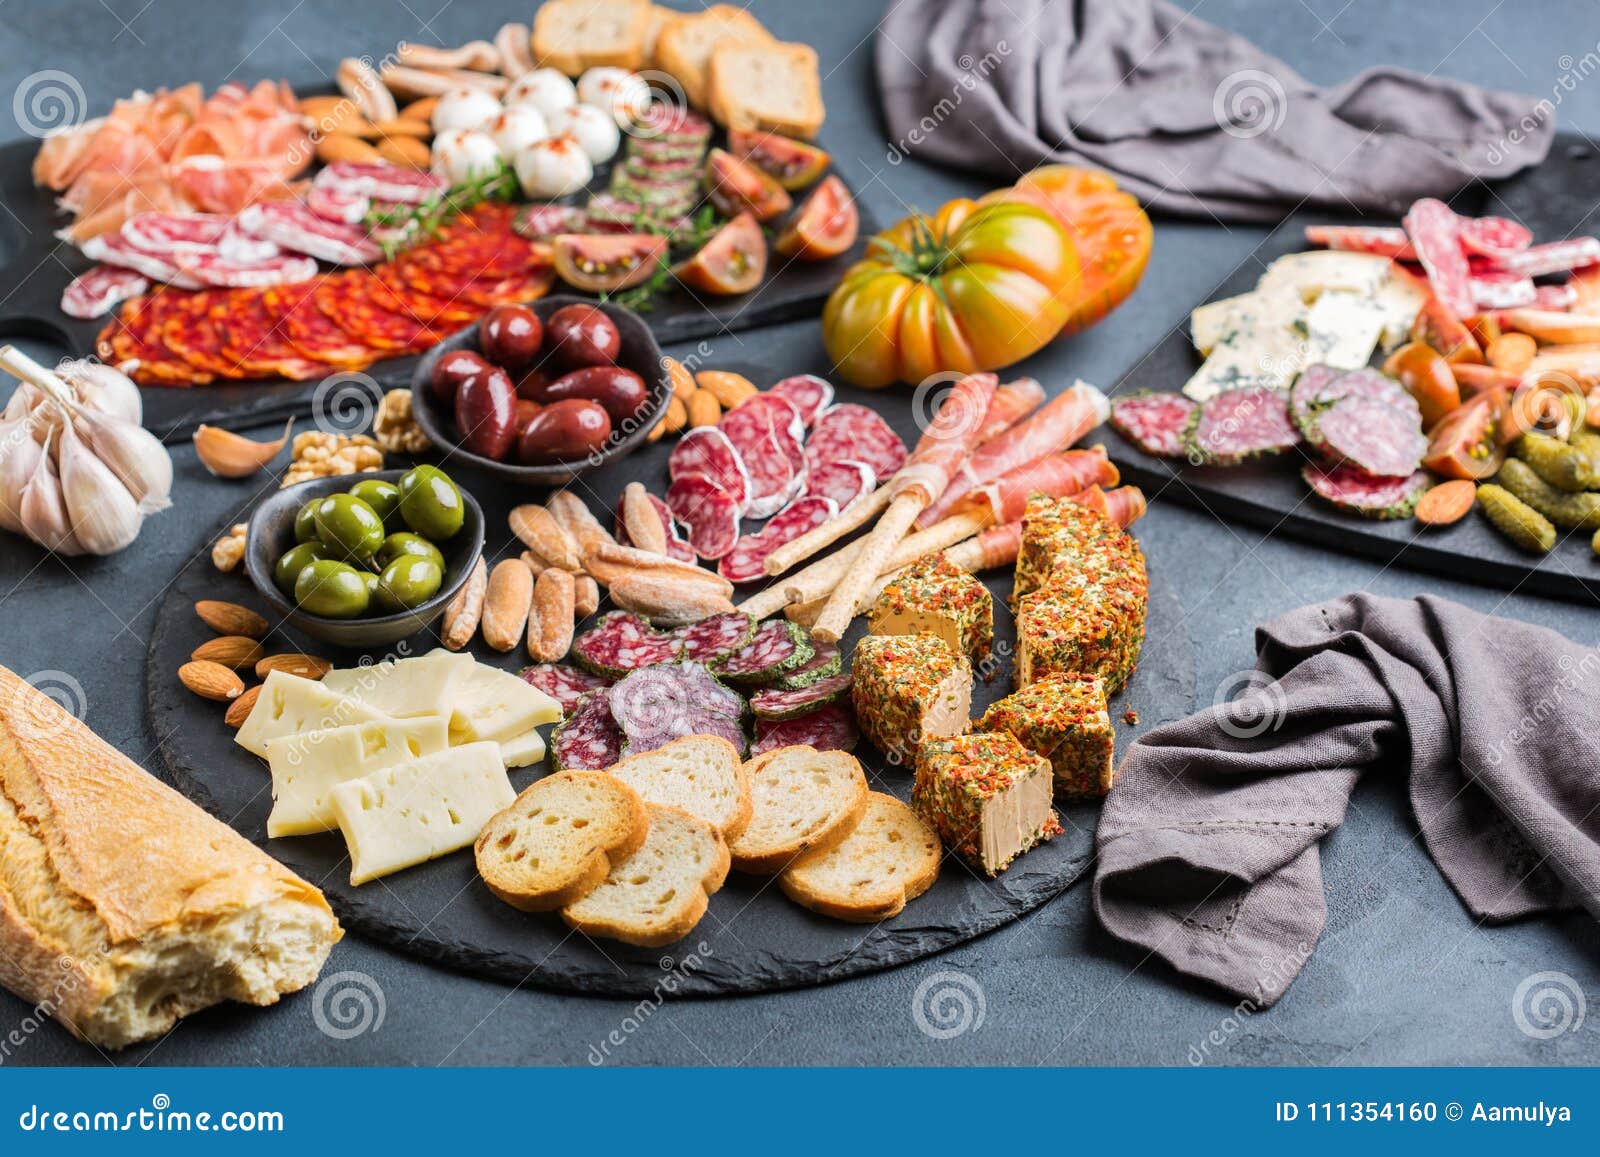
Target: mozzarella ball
<point x="545" y="89"/>
<point x="592" y="128"/>
<point x="465" y="155"/>
<point x="623" y="94"/>
<point x="464" y="108"/>
<point x="516" y="128"/>
<point x="553" y="168"/>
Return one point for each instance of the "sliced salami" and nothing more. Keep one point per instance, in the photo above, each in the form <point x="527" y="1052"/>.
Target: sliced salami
<point x="1350" y="488"/>
<point x="382" y="182"/>
<point x="825" y="661"/>
<point x="766" y="460"/>
<point x="1153" y="422"/>
<point x="294" y="226"/>
<point x="1237" y="425"/>
<point x="565" y="684"/>
<point x="214" y="269"/>
<point x="621" y="642"/>
<point x="677" y="546"/>
<point x="1554" y="257"/>
<point x="847" y="430"/>
<point x="777" y="648"/>
<point x="589" y="739"/>
<point x="786" y="703"/>
<point x="807" y="393"/>
<point x="539" y="222"/>
<point x="712" y="640"/>
<point x="115" y="249"/>
<point x="1563" y="296"/>
<point x="832" y="728"/>
<point x="172" y="233"/>
<point x="333" y="204"/>
<point x="95" y="292"/>
<point x="1371" y="435"/>
<point x="787" y="426"/>
<point x="845" y="482"/>
<point x="745" y="562"/>
<point x="1502" y="290"/>
<point x="708" y="511"/>
<point x="654" y="706"/>
<point x="1494" y="236"/>
<point x="1382" y="240"/>
<point x="1435" y="234"/>
<point x="1321" y="386"/>
<point x="708" y="451"/>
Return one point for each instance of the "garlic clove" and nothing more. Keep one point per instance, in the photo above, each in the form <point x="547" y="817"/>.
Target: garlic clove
<point x="103" y="388"/>
<point x="230" y="455"/>
<point x="134" y="455"/>
<point x="19" y="457"/>
<point x="44" y="510"/>
<point x="105" y="516"/>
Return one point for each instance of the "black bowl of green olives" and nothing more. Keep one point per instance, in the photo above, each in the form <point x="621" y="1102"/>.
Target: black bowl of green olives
<point x="365" y="560"/>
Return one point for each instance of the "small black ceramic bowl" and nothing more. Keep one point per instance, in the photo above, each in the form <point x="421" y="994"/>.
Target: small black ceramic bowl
<point x="271" y="532"/>
<point x="639" y="353"/>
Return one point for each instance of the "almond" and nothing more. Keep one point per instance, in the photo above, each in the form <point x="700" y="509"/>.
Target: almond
<point x="677" y="416"/>
<point x="585" y="597"/>
<point x="236" y="651"/>
<point x="505" y="604"/>
<point x="294" y="663"/>
<point x="239" y="710"/>
<point x="658" y="431"/>
<point x="682" y="380"/>
<point x="541" y="533"/>
<point x="668" y="599"/>
<point x="1446" y="503"/>
<point x="462" y="615"/>
<point x="230" y="618"/>
<point x="404" y="151"/>
<point x="550" y="621"/>
<point x="704" y="409"/>
<point x="336" y="147"/>
<point x="728" y="388"/>
<point x="211" y="680"/>
<point x="420" y="110"/>
<point x="403" y="126"/>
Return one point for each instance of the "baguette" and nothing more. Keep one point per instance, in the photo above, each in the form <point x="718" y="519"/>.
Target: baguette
<point x="574" y="35"/>
<point x="766" y="87"/>
<point x="123" y="906"/>
<point x="684" y="46"/>
<point x="890" y="859"/>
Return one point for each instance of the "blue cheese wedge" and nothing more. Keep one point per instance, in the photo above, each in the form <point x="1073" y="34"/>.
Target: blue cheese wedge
<point x="1263" y="345"/>
<point x="416" y="811"/>
<point x="1342" y="328"/>
<point x="1321" y="271"/>
<point x="306" y="767"/>
<point x="1398" y="300"/>
<point x="1208" y="324"/>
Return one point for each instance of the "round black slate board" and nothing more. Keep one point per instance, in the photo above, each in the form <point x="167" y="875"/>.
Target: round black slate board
<point x="752" y="940"/>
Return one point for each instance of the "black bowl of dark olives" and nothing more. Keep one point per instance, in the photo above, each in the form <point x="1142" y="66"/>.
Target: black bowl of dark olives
<point x="542" y="393"/>
<point x="364" y="560"/>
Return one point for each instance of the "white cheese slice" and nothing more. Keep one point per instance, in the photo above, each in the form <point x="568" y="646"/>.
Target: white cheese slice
<point x="522" y="750"/>
<point x="289" y="705"/>
<point x="495" y="704"/>
<point x="1321" y="270"/>
<point x="1399" y="299"/>
<point x="1209" y="323"/>
<point x="405" y="688"/>
<point x="1264" y="345"/>
<point x="419" y="810"/>
<point x="1342" y="329"/>
<point x="306" y="767"/>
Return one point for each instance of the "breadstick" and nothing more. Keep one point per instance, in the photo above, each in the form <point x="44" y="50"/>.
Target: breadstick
<point x="875" y="552"/>
<point x="830" y="532"/>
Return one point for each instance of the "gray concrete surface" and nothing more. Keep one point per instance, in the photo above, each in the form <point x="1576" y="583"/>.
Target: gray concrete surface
<point x="1402" y="976"/>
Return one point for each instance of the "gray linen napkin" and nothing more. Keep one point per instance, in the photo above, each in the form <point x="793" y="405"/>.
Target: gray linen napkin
<point x="1207" y="845"/>
<point x="1190" y="118"/>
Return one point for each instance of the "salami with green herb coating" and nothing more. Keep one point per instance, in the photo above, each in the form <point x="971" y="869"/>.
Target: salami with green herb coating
<point x="1369" y="495"/>
<point x="1237" y="425"/>
<point x="621" y="642"/>
<point x="566" y="685"/>
<point x="589" y="739"/>
<point x="832" y="728"/>
<point x="782" y="703"/>
<point x="655" y="705"/>
<point x="778" y="647"/>
<point x="1154" y="422"/>
<point x="821" y="665"/>
<point x="712" y="640"/>
<point x="1371" y="435"/>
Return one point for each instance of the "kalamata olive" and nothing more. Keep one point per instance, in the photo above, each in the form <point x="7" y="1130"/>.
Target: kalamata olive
<point x="511" y="335"/>
<point x="486" y="413"/>
<point x="582" y="335"/>
<point x="451" y="370"/>
<point x="526" y="409"/>
<point x="564" y="431"/>
<point x="529" y="385"/>
<point x="620" y="391"/>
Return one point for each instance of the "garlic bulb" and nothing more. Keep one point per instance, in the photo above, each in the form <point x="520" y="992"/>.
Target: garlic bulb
<point x="105" y="517"/>
<point x="103" y="388"/>
<point x="19" y="456"/>
<point x="44" y="510"/>
<point x="134" y="455"/>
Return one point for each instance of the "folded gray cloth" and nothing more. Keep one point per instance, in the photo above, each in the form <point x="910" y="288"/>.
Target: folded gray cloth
<point x="1208" y="843"/>
<point x="1190" y="118"/>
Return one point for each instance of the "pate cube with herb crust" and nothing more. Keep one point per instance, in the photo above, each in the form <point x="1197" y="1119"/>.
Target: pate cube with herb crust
<point x="908" y="688"/>
<point x="987" y="796"/>
<point x="934" y="596"/>
<point x="1081" y="629"/>
<point x="1057" y="532"/>
<point x="1064" y="719"/>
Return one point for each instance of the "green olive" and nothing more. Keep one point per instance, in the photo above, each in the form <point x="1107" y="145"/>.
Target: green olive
<point x="332" y="589"/>
<point x="406" y="543"/>
<point x="349" y="527"/>
<point x="294" y="560"/>
<point x="305" y="521"/>
<point x="430" y="503"/>
<point x="370" y="578"/>
<point x="383" y="497"/>
<point x="408" y="582"/>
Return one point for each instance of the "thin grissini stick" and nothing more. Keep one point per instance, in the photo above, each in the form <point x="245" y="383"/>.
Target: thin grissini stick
<point x="941" y="449"/>
<point x="830" y="532"/>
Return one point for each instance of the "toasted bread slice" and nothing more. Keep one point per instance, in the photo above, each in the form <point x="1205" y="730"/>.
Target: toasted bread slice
<point x="574" y="35"/>
<point x="659" y="18"/>
<point x="772" y="87"/>
<point x="658" y="894"/>
<point x="890" y="859"/>
<point x="804" y="800"/>
<point x="700" y="774"/>
<point x="557" y="841"/>
<point x="684" y="45"/>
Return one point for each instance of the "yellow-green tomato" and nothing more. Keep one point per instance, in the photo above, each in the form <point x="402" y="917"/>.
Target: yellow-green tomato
<point x="430" y="503"/>
<point x="334" y="590"/>
<point x="408" y="582"/>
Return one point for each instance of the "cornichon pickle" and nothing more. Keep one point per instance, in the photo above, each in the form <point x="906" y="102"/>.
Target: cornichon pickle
<point x="1559" y="463"/>
<point x="1586" y="441"/>
<point x="1574" y="511"/>
<point x="1515" y="519"/>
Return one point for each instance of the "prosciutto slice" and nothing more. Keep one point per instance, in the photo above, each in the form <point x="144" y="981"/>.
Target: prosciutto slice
<point x="1059" y="474"/>
<point x="292" y="225"/>
<point x="946" y="441"/>
<point x="1012" y="402"/>
<point x="93" y="293"/>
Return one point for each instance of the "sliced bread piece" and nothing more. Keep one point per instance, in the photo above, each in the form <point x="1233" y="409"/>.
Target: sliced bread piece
<point x="684" y="45"/>
<point x="658" y="894"/>
<point x="890" y="859"/>
<point x="659" y="19"/>
<point x="700" y="774"/>
<point x="574" y="35"/>
<point x="804" y="800"/>
<point x="771" y="87"/>
<point x="557" y="840"/>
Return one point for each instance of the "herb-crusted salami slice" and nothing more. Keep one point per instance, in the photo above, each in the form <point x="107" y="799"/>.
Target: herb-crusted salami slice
<point x="708" y="451"/>
<point x="712" y="640"/>
<point x="746" y="561"/>
<point x="1153" y="422"/>
<point x="1369" y="495"/>
<point x="589" y="739"/>
<point x="677" y="546"/>
<point x="783" y="703"/>
<point x="565" y="684"/>
<point x="1319" y="387"/>
<point x="622" y="642"/>
<point x="778" y="647"/>
<point x="1237" y="425"/>
<point x="1371" y="435"/>
<point x="807" y="393"/>
<point x="825" y="662"/>
<point x="850" y="431"/>
<point x="656" y="705"/>
<point x="708" y="511"/>
<point x="832" y="728"/>
<point x="845" y="481"/>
